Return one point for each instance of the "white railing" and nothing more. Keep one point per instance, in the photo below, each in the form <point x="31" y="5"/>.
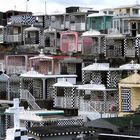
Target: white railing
<point x="26" y="95"/>
<point x="85" y="106"/>
<point x="67" y="24"/>
<point x="15" y="69"/>
<point x="64" y="102"/>
<point x="127" y="15"/>
<point x="87" y="111"/>
<point x="95" y="109"/>
<point x="13" y="38"/>
<point x="77" y="26"/>
<point x="130" y="52"/>
<point x="50" y="49"/>
<point x="99" y="106"/>
<point x="1" y="38"/>
<point x="59" y="102"/>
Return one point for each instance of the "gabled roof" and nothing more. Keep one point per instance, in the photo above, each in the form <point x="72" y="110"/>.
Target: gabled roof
<point x="92" y="33"/>
<point x="32" y="29"/>
<point x="50" y="30"/>
<point x="4" y="77"/>
<point x="130" y="66"/>
<point x="100" y="14"/>
<point x="63" y="83"/>
<point x="95" y="87"/>
<point x="41" y="56"/>
<point x="32" y="73"/>
<point x="97" y="66"/>
<point x="132" y="79"/>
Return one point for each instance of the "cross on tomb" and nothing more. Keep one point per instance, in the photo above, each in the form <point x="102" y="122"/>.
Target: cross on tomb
<point x="16" y="109"/>
<point x="132" y="62"/>
<point x="135" y="71"/>
<point x="95" y="60"/>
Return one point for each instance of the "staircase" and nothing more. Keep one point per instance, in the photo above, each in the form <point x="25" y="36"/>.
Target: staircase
<point x="30" y="116"/>
<point x="26" y="95"/>
<point x="88" y="112"/>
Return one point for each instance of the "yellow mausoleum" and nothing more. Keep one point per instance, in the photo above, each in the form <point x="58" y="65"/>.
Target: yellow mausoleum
<point x="129" y="94"/>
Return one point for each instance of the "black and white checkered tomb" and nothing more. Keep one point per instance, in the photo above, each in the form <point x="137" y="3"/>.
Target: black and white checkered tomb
<point x="112" y="79"/>
<point x="126" y="99"/>
<point x="21" y="134"/>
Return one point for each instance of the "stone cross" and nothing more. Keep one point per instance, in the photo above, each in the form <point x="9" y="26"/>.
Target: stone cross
<point x="95" y="60"/>
<point x="16" y="109"/>
<point x="132" y="62"/>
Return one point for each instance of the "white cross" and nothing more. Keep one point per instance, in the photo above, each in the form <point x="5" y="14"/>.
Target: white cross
<point x="16" y="111"/>
<point x="95" y="60"/>
<point x="132" y="62"/>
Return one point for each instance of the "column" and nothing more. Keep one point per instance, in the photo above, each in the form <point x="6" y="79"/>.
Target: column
<point x="26" y="63"/>
<point x="99" y="45"/>
<point x="120" y="98"/>
<point x="44" y="89"/>
<point x="104" y="106"/>
<point x="53" y="67"/>
<point x="72" y="97"/>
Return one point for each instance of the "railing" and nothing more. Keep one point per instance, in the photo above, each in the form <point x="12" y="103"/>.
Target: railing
<point x="97" y="109"/>
<point x="1" y="38"/>
<point x="26" y="95"/>
<point x="32" y="40"/>
<point x="130" y="52"/>
<point x="77" y="26"/>
<point x="99" y="106"/>
<point x="65" y="102"/>
<point x="127" y="15"/>
<point x="85" y="106"/>
<point x="15" y="69"/>
<point x="56" y="25"/>
<point x="50" y="49"/>
<point x="13" y="38"/>
<point x="87" y="111"/>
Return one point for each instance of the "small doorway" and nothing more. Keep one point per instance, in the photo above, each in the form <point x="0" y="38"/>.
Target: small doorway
<point x="134" y="29"/>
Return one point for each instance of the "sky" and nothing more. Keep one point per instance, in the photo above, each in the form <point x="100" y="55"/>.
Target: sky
<point x="53" y="6"/>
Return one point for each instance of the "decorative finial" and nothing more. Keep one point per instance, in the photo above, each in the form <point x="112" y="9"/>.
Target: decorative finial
<point x="41" y="53"/>
<point x="91" y="82"/>
<point x="132" y="61"/>
<point x="95" y="60"/>
<point x="32" y="69"/>
<point x="135" y="71"/>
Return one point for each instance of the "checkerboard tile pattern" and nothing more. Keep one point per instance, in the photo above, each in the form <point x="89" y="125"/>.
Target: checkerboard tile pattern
<point x="64" y="122"/>
<point x="112" y="79"/>
<point x="126" y="99"/>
